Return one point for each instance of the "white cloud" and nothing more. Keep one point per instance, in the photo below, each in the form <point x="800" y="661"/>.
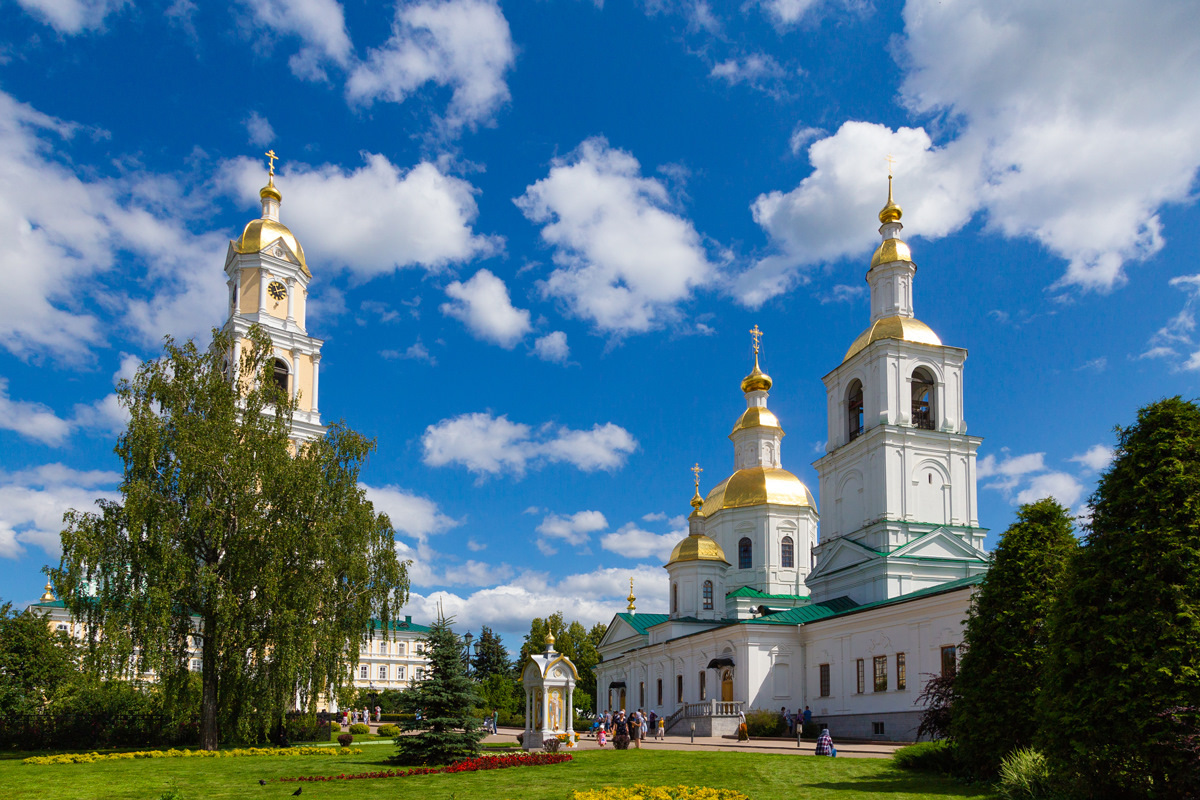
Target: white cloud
<point x="412" y="515"/>
<point x="1061" y="486"/>
<point x="259" y="130"/>
<point x="464" y="45"/>
<point x="552" y="347"/>
<point x="588" y="597"/>
<point x="320" y="25"/>
<point x="1179" y="332"/>
<point x="33" y="501"/>
<point x="1097" y="458"/>
<point x="632" y="542"/>
<point x="785" y="13"/>
<point x="31" y="420"/>
<point x="574" y="529"/>
<point x="624" y="259"/>
<point x="376" y="218"/>
<point x="1074" y="124"/>
<point x="489" y="445"/>
<point x="483" y="305"/>
<point x="758" y="70"/>
<point x="70" y="17"/>
<point x="1026" y="478"/>
<point x="415" y="352"/>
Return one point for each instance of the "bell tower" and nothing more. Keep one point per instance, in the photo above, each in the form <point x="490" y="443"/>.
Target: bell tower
<point x="898" y="480"/>
<point x="268" y="281"/>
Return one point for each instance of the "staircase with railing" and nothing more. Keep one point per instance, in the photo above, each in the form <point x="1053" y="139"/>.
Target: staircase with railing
<point x="708" y="709"/>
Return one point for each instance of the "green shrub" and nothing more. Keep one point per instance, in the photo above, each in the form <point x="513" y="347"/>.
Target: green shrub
<point x="388" y="730"/>
<point x="334" y="727"/>
<point x="1024" y="775"/>
<point x="360" y="727"/>
<point x="939" y="756"/>
<point x="763" y="722"/>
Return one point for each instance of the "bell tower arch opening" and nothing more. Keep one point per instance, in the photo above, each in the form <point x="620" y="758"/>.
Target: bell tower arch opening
<point x="924" y="388"/>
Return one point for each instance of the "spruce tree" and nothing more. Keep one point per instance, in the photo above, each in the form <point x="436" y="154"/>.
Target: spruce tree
<point x="1123" y="684"/>
<point x="490" y="657"/>
<point x="1006" y="639"/>
<point x="444" y="698"/>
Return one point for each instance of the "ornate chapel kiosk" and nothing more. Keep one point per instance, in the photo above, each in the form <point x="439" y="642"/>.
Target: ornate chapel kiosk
<point x="549" y="679"/>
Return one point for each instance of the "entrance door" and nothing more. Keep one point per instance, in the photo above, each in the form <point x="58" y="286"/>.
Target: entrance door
<point x="727" y="686"/>
<point x="622" y="706"/>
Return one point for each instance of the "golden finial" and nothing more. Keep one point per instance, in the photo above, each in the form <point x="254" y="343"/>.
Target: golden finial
<point x="271" y="157"/>
<point x="549" y="640"/>
<point x="757" y="380"/>
<point x="891" y="212"/>
<point x="697" y="500"/>
<point x="631" y="598"/>
<point x="48" y="595"/>
<point x="269" y="191"/>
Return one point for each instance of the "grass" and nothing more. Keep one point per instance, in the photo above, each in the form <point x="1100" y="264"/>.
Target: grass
<point x="761" y="776"/>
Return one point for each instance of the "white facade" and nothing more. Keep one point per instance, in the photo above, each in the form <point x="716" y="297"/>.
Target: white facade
<point x="393" y="659"/>
<point x="853" y="626"/>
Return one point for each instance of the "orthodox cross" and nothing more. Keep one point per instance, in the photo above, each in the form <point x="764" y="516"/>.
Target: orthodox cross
<point x="631" y="598"/>
<point x="891" y="162"/>
<point x="270" y="154"/>
<point x="696" y="470"/>
<point x="757" y="334"/>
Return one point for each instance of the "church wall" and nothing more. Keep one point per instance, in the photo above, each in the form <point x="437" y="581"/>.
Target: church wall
<point x="251" y="279"/>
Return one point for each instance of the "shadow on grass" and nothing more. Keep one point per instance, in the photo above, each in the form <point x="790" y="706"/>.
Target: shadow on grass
<point x="925" y="784"/>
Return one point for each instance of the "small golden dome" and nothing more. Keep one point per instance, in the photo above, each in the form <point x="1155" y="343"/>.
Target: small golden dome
<point x="904" y="328"/>
<point x="891" y="212"/>
<point x="756" y="417"/>
<point x="697" y="547"/>
<point x="890" y="250"/>
<point x="270" y="191"/>
<point x="757" y="486"/>
<point x="697" y="500"/>
<point x="549" y="638"/>
<point x="259" y="234"/>
<point x="48" y="595"/>
<point x="757" y="380"/>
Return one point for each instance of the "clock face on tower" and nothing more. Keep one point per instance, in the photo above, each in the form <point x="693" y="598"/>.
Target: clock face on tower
<point x="277" y="290"/>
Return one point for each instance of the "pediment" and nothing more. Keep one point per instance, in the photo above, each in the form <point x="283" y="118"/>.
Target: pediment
<point x="842" y="553"/>
<point x="939" y="543"/>
<point x="280" y="249"/>
<point x="618" y="630"/>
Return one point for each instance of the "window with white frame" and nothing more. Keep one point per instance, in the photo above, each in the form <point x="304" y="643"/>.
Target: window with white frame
<point x="383" y="673"/>
<point x="362" y="672"/>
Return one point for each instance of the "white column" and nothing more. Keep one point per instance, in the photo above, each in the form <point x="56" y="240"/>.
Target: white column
<point x="545" y="710"/>
<point x="570" y="711"/>
<point x="295" y="374"/>
<point x="235" y="369"/>
<point x="262" y="291"/>
<point x="316" y="363"/>
<point x="291" y="284"/>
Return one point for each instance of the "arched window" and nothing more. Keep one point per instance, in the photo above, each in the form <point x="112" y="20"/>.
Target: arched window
<point x="922" y="399"/>
<point x="854" y="411"/>
<point x="745" y="553"/>
<point x="674" y="598"/>
<point x="400" y="648"/>
<point x="708" y="596"/>
<point x="787" y="553"/>
<point x="281" y="375"/>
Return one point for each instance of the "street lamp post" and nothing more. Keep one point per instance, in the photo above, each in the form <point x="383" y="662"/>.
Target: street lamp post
<point x="467" y="637"/>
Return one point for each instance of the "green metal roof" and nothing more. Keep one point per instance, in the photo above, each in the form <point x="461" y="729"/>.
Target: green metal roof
<point x="804" y="614"/>
<point x="401" y="625"/>
<point x="642" y="622"/>
<point x="941" y="588"/>
<point x="746" y="591"/>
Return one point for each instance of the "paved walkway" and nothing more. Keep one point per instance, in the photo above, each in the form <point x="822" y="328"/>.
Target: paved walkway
<point x="706" y="743"/>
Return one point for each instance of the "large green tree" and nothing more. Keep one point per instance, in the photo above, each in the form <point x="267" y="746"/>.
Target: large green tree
<point x="1125" y="637"/>
<point x="1002" y="667"/>
<point x="443" y="699"/>
<point x="35" y="661"/>
<point x="261" y="549"/>
<point x="491" y="658"/>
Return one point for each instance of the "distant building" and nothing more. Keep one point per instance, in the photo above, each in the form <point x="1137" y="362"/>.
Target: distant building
<point x="761" y="613"/>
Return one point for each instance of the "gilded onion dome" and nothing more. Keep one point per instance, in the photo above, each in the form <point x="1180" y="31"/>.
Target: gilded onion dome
<point x="757" y="380"/>
<point x="259" y="234"/>
<point x="891" y="249"/>
<point x="697" y="547"/>
<point x="756" y="486"/>
<point x="756" y="417"/>
<point x="906" y="329"/>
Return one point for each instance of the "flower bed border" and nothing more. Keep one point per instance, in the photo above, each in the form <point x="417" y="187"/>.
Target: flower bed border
<point x="466" y="765"/>
<point x="91" y="758"/>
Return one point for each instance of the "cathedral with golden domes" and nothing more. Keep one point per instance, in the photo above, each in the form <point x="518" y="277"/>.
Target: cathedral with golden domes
<point x="764" y="612"/>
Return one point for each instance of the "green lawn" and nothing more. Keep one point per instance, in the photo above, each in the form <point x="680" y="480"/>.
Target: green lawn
<point x="761" y="776"/>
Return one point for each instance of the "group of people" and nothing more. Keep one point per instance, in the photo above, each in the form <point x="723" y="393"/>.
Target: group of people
<point x="795" y="722"/>
<point x="632" y="727"/>
<point x="352" y="715"/>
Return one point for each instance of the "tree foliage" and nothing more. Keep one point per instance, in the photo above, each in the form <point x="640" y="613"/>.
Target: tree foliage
<point x="491" y="658"/>
<point x="35" y="661"/>
<point x="1006" y="640"/>
<point x="261" y="549"/>
<point x="443" y="699"/>
<point x="1125" y="638"/>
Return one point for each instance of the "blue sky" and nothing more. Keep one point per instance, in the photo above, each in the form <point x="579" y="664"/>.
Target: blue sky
<point x="539" y="233"/>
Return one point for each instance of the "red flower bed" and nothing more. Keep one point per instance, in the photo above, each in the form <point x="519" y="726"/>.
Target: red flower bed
<point x="466" y="765"/>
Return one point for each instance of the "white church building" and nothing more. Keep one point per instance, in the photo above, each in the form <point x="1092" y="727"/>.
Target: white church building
<point x="763" y="612"/>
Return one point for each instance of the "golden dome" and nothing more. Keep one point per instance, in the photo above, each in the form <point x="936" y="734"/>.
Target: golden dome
<point x="757" y="380"/>
<point x="270" y="191"/>
<point x="890" y="250"/>
<point x="48" y="595"/>
<point x="697" y="547"/>
<point x="904" y="328"/>
<point x="756" y="417"/>
<point x="891" y="212"/>
<point x="757" y="486"/>
<point x="261" y="233"/>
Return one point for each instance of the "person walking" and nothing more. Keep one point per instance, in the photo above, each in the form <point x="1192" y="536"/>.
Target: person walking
<point x="743" y="731"/>
<point x="661" y="731"/>
<point x="600" y="734"/>
<point x="635" y="729"/>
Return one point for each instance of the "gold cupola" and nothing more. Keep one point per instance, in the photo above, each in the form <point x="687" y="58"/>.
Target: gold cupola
<point x="48" y="594"/>
<point x="757" y="380"/>
<point x="892" y="248"/>
<point x="697" y="546"/>
<point x="260" y="234"/>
